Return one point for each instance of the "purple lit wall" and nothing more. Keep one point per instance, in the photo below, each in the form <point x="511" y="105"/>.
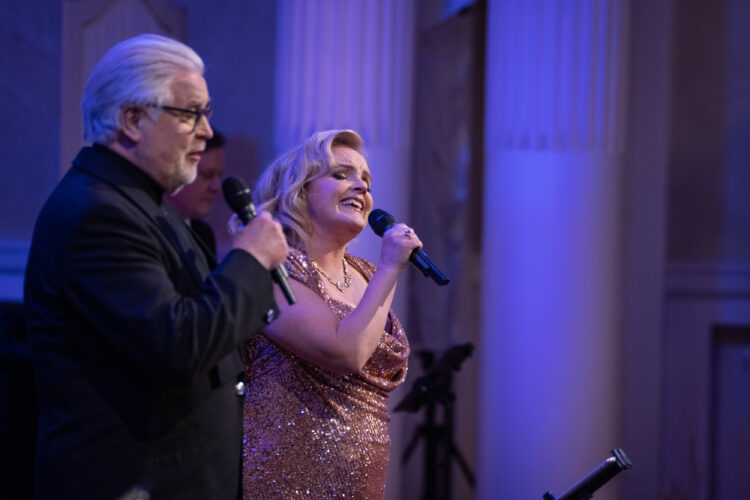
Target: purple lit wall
<point x="30" y="93"/>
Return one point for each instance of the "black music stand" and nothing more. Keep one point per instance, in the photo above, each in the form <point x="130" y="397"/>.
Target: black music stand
<point x="430" y="390"/>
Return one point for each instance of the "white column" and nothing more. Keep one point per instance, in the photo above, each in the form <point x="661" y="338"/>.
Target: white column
<point x="550" y="300"/>
<point x="348" y="64"/>
<point x="344" y="64"/>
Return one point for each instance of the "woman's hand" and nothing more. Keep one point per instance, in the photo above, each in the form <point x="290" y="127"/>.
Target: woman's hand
<point x="398" y="243"/>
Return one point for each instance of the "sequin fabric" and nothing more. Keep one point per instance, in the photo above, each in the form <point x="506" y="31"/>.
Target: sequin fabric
<point x="309" y="432"/>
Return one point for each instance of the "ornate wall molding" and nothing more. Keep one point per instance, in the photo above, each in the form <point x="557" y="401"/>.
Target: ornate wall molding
<point x="89" y="29"/>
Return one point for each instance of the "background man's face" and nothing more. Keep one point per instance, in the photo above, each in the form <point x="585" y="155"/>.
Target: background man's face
<point x="194" y="201"/>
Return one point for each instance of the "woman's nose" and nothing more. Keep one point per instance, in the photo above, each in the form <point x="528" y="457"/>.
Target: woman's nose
<point x="360" y="186"/>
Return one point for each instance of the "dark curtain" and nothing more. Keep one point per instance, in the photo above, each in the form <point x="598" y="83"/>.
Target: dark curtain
<point x="446" y="210"/>
<point x="18" y="414"/>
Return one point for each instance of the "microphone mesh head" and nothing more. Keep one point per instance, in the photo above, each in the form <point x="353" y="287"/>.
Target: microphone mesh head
<point x="380" y="221"/>
<point x="236" y="194"/>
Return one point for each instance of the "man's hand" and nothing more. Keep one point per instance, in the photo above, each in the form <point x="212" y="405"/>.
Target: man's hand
<point x="264" y="239"/>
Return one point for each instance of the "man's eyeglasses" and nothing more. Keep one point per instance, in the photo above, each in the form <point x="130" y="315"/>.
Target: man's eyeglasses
<point x="196" y="115"/>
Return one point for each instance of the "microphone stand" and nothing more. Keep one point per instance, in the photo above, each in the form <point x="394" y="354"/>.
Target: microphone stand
<point x="429" y="390"/>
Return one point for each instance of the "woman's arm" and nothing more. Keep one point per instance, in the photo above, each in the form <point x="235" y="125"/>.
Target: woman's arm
<point x="312" y="331"/>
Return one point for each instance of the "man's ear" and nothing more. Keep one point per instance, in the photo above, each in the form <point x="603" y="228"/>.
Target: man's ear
<point x="130" y="123"/>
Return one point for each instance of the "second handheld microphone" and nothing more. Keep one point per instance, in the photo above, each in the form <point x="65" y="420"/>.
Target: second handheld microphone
<point x="240" y="200"/>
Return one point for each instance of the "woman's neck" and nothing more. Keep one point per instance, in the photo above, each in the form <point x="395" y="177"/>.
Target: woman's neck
<point x="326" y="254"/>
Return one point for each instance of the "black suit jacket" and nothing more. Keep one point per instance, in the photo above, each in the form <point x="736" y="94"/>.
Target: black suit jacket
<point x="205" y="234"/>
<point x="134" y="342"/>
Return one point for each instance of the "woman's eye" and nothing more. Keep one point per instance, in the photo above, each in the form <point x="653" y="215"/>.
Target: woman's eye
<point x="339" y="175"/>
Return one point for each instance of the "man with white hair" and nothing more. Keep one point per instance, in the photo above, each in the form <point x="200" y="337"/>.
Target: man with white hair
<point x="134" y="331"/>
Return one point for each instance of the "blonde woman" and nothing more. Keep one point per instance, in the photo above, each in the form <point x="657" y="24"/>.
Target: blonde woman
<point x="315" y="416"/>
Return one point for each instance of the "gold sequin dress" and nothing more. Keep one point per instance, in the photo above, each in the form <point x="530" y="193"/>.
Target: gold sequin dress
<point x="313" y="433"/>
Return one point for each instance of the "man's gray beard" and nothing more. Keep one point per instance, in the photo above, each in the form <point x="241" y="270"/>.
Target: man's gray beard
<point x="184" y="180"/>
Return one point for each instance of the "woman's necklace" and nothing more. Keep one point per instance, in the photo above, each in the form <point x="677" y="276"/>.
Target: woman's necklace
<point x="341" y="286"/>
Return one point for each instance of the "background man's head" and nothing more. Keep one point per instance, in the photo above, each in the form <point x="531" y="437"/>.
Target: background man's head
<point x="194" y="201"/>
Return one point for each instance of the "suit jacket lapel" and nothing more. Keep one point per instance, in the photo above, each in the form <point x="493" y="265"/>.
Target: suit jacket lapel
<point x="207" y="251"/>
<point x="181" y="233"/>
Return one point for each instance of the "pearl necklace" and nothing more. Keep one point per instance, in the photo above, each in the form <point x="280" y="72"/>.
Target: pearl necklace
<point x="341" y="286"/>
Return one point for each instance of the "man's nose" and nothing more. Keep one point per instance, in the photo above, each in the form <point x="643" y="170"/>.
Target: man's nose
<point x="203" y="128"/>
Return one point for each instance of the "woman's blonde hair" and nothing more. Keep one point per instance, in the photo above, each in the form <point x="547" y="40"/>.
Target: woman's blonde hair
<point x="282" y="188"/>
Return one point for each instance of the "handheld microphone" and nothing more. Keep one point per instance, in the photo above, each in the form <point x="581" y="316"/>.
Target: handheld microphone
<point x="381" y="221"/>
<point x="240" y="200"/>
<point x="595" y="479"/>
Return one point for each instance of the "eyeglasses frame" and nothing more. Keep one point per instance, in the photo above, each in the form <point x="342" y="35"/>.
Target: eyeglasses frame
<point x="207" y="112"/>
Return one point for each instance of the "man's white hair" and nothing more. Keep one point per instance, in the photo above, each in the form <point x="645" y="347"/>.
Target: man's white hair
<point x="137" y="71"/>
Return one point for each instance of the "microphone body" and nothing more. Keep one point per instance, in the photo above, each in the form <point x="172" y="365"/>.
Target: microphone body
<point x="381" y="221"/>
<point x="240" y="200"/>
<point x="586" y="487"/>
